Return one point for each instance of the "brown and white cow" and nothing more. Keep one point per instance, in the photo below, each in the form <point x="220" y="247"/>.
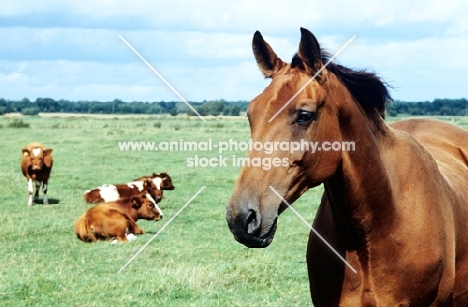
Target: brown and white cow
<point x="112" y="192"/>
<point x="163" y="181"/>
<point x="117" y="220"/>
<point x="36" y="165"/>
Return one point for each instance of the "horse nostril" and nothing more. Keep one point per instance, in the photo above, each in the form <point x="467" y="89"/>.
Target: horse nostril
<point x="253" y="224"/>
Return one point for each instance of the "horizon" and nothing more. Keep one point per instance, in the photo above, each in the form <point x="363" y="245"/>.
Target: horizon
<point x="201" y="101"/>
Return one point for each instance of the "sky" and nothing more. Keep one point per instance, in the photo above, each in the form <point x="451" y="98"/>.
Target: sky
<point x="71" y="50"/>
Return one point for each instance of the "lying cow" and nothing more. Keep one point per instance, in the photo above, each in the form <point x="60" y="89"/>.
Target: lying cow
<point x="163" y="181"/>
<point x="117" y="220"/>
<point x="110" y="192"/>
<point x="36" y="164"/>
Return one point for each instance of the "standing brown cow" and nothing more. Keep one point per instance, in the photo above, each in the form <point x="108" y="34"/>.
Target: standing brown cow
<point x="36" y="164"/>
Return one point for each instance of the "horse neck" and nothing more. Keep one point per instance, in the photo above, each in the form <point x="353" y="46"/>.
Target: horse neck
<point x="359" y="192"/>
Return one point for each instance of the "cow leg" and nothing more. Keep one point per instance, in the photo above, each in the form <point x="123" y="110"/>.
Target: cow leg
<point x="45" y="200"/>
<point x="122" y="238"/>
<point x="132" y="231"/>
<point x="121" y="234"/>
<point x="137" y="230"/>
<point x="36" y="194"/>
<point x="134" y="228"/>
<point x="30" y="192"/>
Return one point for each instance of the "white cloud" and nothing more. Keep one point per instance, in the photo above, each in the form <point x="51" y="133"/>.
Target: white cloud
<point x="218" y="45"/>
<point x="246" y="15"/>
<point x="458" y="29"/>
<point x="13" y="79"/>
<point x="419" y="70"/>
<point x="129" y="81"/>
<point x="438" y="11"/>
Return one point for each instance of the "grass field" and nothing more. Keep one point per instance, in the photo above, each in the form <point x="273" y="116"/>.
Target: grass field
<point x="195" y="261"/>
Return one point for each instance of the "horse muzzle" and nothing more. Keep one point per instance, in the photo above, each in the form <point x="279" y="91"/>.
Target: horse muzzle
<point x="250" y="229"/>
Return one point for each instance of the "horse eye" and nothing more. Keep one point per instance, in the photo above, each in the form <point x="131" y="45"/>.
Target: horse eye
<point x="305" y="117"/>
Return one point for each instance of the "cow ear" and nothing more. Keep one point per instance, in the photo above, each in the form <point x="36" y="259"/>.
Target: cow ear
<point x="48" y="157"/>
<point x="26" y="152"/>
<point x="267" y="60"/>
<point x="136" y="202"/>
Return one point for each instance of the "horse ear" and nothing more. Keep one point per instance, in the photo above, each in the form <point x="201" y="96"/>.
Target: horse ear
<point x="267" y="60"/>
<point x="309" y="52"/>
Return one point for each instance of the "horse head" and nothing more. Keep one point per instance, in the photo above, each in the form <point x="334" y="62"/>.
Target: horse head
<point x="296" y="111"/>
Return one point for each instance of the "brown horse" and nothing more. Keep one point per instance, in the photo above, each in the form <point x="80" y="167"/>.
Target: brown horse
<point x="395" y="207"/>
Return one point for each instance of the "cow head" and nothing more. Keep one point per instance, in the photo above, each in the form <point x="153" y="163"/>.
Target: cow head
<point x="153" y="190"/>
<point x="39" y="157"/>
<point x="146" y="207"/>
<point x="166" y="181"/>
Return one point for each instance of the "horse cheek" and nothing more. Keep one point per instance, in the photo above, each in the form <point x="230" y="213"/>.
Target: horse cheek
<point x="323" y="166"/>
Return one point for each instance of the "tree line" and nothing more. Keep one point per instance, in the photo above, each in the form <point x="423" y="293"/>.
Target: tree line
<point x="436" y="107"/>
<point x="117" y="106"/>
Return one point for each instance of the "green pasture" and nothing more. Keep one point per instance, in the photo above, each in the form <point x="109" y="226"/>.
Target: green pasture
<point x="195" y="261"/>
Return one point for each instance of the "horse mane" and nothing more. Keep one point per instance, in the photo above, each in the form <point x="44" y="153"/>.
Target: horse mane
<point x="368" y="89"/>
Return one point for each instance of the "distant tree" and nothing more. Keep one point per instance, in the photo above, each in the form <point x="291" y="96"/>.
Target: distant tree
<point x="4" y="106"/>
<point x="235" y="111"/>
<point x="32" y="111"/>
<point x="167" y="105"/>
<point x="81" y="106"/>
<point x="47" y="105"/>
<point x="227" y="110"/>
<point x="401" y="108"/>
<point x="173" y="111"/>
<point x="153" y="108"/>
<point x="65" y="106"/>
<point x="123" y="108"/>
<point x="138" y="108"/>
<point x="443" y="107"/>
<point x="392" y="113"/>
<point x="215" y="108"/>
<point x="202" y="110"/>
<point x="17" y="106"/>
